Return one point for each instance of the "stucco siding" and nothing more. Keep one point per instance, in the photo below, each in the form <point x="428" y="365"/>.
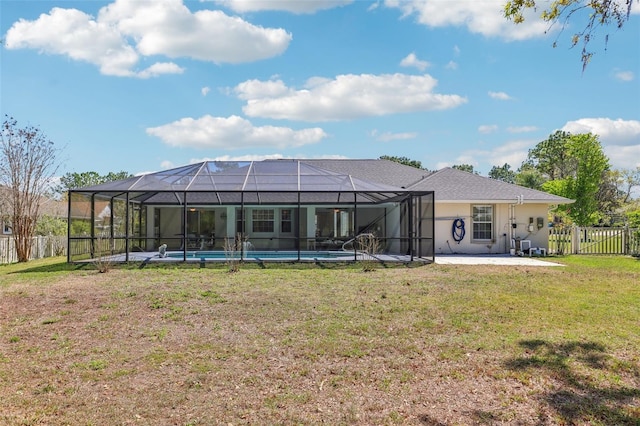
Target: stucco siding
<point x="502" y="230"/>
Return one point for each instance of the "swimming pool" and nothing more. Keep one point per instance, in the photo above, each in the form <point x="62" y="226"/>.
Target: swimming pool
<point x="265" y="255"/>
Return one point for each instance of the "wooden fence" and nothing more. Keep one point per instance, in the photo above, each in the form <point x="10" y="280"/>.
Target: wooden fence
<point x="41" y="246"/>
<point x="592" y="240"/>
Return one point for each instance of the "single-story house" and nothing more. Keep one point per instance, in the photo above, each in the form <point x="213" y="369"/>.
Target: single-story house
<point x="307" y="209"/>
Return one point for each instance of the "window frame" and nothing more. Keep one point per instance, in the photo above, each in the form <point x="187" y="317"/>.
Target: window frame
<point x="263" y="221"/>
<point x="475" y="222"/>
<point x="286" y="218"/>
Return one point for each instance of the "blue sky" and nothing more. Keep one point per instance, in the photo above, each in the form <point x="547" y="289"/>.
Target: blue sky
<point x="143" y="86"/>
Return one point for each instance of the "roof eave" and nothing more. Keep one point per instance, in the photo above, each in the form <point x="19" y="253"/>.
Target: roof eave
<point x="494" y="201"/>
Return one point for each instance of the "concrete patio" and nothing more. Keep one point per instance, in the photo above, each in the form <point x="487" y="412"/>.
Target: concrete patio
<point x="493" y="259"/>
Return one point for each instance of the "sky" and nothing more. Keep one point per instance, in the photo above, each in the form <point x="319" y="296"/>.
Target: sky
<point x="143" y="86"/>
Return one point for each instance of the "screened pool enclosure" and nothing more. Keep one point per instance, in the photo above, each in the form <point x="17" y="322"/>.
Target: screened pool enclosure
<point x="204" y="210"/>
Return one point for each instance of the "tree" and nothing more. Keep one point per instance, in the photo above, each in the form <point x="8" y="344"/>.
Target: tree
<point x="529" y="177"/>
<point x="27" y="166"/>
<point x="551" y="157"/>
<point x="627" y="180"/>
<point x="609" y="197"/>
<point x="503" y="173"/>
<point x="403" y="160"/>
<point x="465" y="168"/>
<point x="79" y="180"/>
<point x="584" y="151"/>
<point x="598" y="13"/>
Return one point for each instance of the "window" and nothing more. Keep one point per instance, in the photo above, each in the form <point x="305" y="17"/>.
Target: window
<point x="6" y="228"/>
<point x="482" y="216"/>
<point x="285" y="221"/>
<point x="262" y="220"/>
<point x="240" y="221"/>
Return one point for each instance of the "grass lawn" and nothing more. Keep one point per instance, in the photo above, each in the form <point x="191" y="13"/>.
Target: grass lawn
<point x="296" y="344"/>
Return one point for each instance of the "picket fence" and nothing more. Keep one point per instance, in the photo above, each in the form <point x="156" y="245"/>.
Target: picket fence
<point x="41" y="247"/>
<point x="595" y="240"/>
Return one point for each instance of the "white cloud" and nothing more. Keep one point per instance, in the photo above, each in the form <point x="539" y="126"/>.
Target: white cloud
<point x="620" y="138"/>
<point x="232" y="133"/>
<point x="442" y="164"/>
<point x="293" y="6"/>
<point x="521" y="129"/>
<point x="258" y="157"/>
<point x="345" y="97"/>
<point x="388" y="136"/>
<point x="127" y="30"/>
<point x="167" y="164"/>
<point x="451" y="65"/>
<point x="501" y="96"/>
<point x="487" y="128"/>
<point x="610" y="132"/>
<point x="248" y="157"/>
<point x="624" y="75"/>
<point x="75" y="34"/>
<point x="512" y="153"/>
<point x="169" y="28"/>
<point x="623" y="157"/>
<point x="479" y="17"/>
<point x="205" y="91"/>
<point x="160" y="68"/>
<point x="411" y="60"/>
<point x="255" y="89"/>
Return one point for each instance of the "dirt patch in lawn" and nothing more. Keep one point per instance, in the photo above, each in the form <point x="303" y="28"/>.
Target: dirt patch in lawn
<point x="403" y="346"/>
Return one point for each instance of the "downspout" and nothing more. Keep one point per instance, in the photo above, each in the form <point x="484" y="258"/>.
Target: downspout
<point x="512" y="219"/>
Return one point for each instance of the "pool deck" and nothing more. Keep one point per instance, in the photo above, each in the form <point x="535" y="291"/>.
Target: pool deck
<point x="492" y="259"/>
<point x="176" y="256"/>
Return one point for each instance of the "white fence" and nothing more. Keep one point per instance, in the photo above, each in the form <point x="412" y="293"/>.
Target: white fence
<point x="41" y="246"/>
<point x="595" y="240"/>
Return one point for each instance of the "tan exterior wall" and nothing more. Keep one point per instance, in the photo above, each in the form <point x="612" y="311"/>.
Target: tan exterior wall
<point x="446" y="213"/>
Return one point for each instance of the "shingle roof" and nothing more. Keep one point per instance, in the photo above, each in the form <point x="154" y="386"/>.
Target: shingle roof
<point x="457" y="186"/>
<point x="448" y="184"/>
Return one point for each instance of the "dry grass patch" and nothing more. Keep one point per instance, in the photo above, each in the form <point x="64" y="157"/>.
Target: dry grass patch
<point x="308" y="345"/>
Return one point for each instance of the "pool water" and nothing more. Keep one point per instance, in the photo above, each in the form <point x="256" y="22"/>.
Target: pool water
<point x="265" y="255"/>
